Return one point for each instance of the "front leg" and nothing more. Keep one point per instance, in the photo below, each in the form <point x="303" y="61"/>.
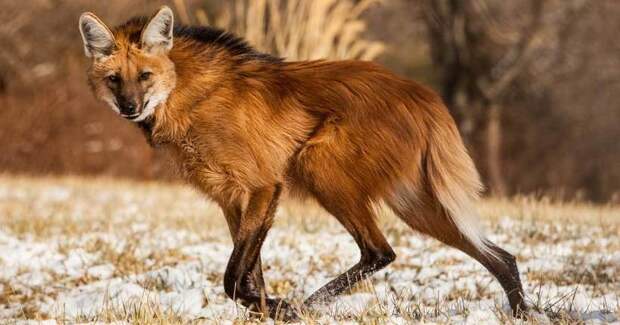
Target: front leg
<point x="233" y="214"/>
<point x="253" y="227"/>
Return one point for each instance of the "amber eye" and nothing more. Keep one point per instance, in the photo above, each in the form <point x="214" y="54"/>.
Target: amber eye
<point x="113" y="78"/>
<point x="146" y="75"/>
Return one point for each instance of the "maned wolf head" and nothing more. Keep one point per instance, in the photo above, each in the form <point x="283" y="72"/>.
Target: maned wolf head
<point x="132" y="76"/>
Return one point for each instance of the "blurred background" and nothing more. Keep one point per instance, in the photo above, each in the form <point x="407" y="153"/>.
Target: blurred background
<point x="533" y="84"/>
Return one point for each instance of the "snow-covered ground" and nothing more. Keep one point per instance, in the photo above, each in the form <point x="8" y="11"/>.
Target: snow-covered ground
<point x="100" y="250"/>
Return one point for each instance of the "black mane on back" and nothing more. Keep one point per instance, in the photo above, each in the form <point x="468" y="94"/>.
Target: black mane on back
<point x="235" y="45"/>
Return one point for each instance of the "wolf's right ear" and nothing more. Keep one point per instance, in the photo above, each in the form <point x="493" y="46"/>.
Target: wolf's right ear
<point x="98" y="39"/>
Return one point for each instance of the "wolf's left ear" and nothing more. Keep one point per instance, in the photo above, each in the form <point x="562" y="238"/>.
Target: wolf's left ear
<point x="157" y="35"/>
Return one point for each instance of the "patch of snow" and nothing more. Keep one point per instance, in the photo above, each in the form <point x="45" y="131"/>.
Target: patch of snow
<point x="102" y="272"/>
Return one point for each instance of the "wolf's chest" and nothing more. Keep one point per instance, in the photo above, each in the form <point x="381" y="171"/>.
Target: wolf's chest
<point x="203" y="171"/>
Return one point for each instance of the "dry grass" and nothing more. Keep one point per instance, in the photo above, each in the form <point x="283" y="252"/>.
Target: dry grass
<point x="145" y="234"/>
<point x="545" y="209"/>
<point x="26" y="211"/>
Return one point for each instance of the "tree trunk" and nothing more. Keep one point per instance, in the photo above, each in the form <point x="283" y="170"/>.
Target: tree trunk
<point x="493" y="141"/>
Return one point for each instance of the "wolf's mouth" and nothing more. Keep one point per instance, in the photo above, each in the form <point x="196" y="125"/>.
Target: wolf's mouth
<point x="132" y="116"/>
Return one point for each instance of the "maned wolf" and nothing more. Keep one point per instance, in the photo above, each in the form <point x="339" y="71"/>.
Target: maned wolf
<point x="245" y="127"/>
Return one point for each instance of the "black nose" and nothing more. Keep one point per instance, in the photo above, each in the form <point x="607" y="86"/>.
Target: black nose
<point x="128" y="107"/>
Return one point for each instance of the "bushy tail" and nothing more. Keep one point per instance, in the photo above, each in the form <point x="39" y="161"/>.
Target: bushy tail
<point x="455" y="182"/>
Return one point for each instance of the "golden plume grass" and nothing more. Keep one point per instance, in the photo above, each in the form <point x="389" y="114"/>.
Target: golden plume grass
<point x="296" y="29"/>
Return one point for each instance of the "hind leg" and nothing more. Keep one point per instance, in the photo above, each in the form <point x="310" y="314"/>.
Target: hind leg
<point x="376" y="253"/>
<point x="500" y="263"/>
<point x="340" y="174"/>
<point x="504" y="268"/>
<point x="430" y="219"/>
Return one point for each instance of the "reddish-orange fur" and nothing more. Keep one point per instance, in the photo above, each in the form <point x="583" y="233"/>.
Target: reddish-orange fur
<point x="348" y="134"/>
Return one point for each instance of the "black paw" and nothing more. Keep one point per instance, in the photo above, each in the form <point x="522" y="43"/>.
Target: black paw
<point x="282" y="311"/>
<point x="520" y="312"/>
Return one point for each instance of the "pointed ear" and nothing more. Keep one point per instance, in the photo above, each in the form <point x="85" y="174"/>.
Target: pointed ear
<point x="98" y="39"/>
<point x="157" y="35"/>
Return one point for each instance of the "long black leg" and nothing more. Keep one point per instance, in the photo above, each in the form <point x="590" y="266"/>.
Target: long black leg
<point x="233" y="215"/>
<point x="376" y="253"/>
<point x="253" y="228"/>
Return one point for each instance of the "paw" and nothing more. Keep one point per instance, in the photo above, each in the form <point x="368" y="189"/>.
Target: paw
<point x="281" y="310"/>
<point x="521" y="312"/>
